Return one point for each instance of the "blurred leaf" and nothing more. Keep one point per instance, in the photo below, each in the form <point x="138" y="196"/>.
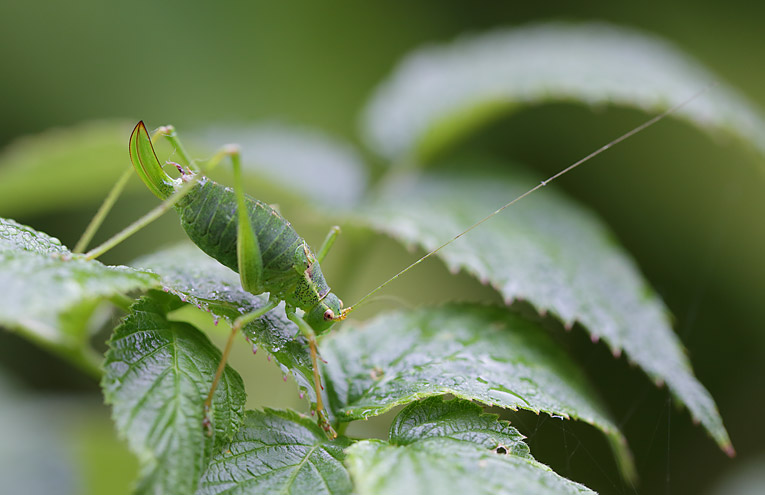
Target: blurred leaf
<point x="278" y="452"/>
<point x="201" y="281"/>
<point x="66" y="167"/>
<point x="554" y="254"/>
<point x="307" y="162"/>
<point x="746" y="477"/>
<point x="444" y="459"/>
<point x="457" y="419"/>
<point x="48" y="294"/>
<point x="157" y="376"/>
<point x="472" y="352"/>
<point x="440" y="93"/>
<point x="33" y="444"/>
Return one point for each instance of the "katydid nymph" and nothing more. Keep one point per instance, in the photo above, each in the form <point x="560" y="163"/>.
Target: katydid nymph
<point x="253" y="239"/>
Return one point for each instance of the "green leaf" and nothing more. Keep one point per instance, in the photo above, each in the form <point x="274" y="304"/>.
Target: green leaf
<point x="305" y="161"/>
<point x="446" y="466"/>
<point x="473" y="352"/>
<point x="457" y="419"/>
<point x="71" y="166"/>
<point x="17" y="237"/>
<point x="156" y="376"/>
<point x="48" y="294"/>
<point x="441" y="93"/>
<point x="278" y="452"/>
<point x="450" y="448"/>
<point x="554" y="254"/>
<point x="203" y="282"/>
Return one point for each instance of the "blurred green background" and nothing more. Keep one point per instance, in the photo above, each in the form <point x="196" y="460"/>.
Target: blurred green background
<point x="689" y="208"/>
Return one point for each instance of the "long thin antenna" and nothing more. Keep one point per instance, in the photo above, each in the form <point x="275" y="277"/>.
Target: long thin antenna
<point x="566" y="170"/>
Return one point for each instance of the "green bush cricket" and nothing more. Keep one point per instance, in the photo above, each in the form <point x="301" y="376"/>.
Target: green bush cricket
<point x="253" y="239"/>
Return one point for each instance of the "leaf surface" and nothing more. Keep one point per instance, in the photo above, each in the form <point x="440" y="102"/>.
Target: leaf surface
<point x="473" y="352"/>
<point x="556" y="255"/>
<point x="48" y="294"/>
<point x="457" y="419"/>
<point x="156" y="377"/>
<point x="445" y="459"/>
<point x="278" y="452"/>
<point x="305" y="161"/>
<point x="201" y="281"/>
<point x="71" y="166"/>
<point x="440" y="93"/>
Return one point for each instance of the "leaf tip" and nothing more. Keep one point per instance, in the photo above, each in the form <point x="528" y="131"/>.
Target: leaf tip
<point x="729" y="450"/>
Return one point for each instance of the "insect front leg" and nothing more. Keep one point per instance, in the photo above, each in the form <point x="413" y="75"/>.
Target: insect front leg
<point x="309" y="334"/>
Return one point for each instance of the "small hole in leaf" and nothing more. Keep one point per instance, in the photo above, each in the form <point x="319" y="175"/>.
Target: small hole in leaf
<point x="501" y="450"/>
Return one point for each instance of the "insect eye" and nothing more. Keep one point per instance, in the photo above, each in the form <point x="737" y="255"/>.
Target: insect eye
<point x="329" y="315"/>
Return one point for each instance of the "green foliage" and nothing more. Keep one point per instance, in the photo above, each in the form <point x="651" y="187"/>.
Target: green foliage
<point x="156" y="377"/>
<point x="439" y="94"/>
<point x="550" y="252"/>
<point x="49" y="294"/>
<point x="62" y="167"/>
<point x="474" y="352"/>
<point x="278" y="452"/>
<point x="459" y="420"/>
<point x="450" y="456"/>
<point x="547" y="251"/>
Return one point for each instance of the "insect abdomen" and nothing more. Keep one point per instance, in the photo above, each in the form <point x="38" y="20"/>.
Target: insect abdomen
<point x="209" y="217"/>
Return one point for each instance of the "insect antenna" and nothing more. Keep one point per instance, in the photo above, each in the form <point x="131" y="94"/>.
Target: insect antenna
<point x="648" y="123"/>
